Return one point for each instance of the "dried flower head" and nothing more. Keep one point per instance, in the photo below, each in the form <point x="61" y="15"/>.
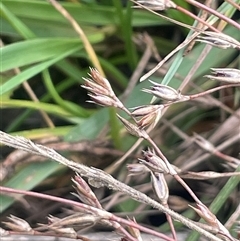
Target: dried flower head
<point x="84" y="192"/>
<point x="66" y="232"/>
<point x="94" y="88"/>
<point x="131" y="128"/>
<point x="219" y="40"/>
<point x="154" y="163"/>
<point x="150" y="115"/>
<point x="96" y="76"/>
<point x="160" y="187"/>
<point x="206" y="214"/>
<point x="18" y="224"/>
<point x="103" y="100"/>
<point x="136" y="169"/>
<point x="100" y="90"/>
<point x="79" y="219"/>
<point x="144" y="110"/>
<point x="225" y="74"/>
<point x="134" y="231"/>
<point x="52" y="219"/>
<point x="156" y="5"/>
<point x="163" y="92"/>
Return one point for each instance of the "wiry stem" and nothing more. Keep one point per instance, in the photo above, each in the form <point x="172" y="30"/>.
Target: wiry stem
<point x="88" y="209"/>
<point x="221" y="16"/>
<point x="89" y="49"/>
<point x="197" y="18"/>
<point x="98" y="177"/>
<point x="175" y="175"/>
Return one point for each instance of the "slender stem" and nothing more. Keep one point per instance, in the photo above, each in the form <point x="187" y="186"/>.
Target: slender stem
<point x="173" y="173"/>
<point x="219" y="15"/>
<point x="233" y="4"/>
<point x="32" y="95"/>
<point x="98" y="176"/>
<point x="183" y="10"/>
<point x="167" y="57"/>
<point x="212" y="90"/>
<point x="191" y="97"/>
<point x="89" y="49"/>
<point x="104" y="214"/>
<point x="170" y="221"/>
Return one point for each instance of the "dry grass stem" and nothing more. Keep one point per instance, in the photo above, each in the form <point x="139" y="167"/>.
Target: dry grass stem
<point x="176" y="106"/>
<point x="97" y="178"/>
<point x="89" y="49"/>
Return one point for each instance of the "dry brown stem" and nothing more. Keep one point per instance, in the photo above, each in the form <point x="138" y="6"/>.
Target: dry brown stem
<point x="98" y="178"/>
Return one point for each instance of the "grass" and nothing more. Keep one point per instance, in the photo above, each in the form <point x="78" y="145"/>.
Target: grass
<point x="44" y="59"/>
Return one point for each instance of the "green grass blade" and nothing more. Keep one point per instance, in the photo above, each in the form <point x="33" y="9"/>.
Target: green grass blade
<point x="67" y="105"/>
<point x="16" y="123"/>
<point x="38" y="11"/>
<point x="90" y="127"/>
<point x="41" y="133"/>
<point x="30" y="72"/>
<point x="31" y="51"/>
<point x="27" y="178"/>
<point x="49" y="108"/>
<point x="18" y="25"/>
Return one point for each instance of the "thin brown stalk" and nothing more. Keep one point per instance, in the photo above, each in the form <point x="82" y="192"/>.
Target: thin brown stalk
<point x="183" y="10"/>
<point x="213" y="90"/>
<point x="88" y="209"/>
<point x="220" y="147"/>
<point x="233" y="4"/>
<point x="175" y="21"/>
<point x="98" y="178"/>
<point x="139" y="69"/>
<point x="179" y="47"/>
<point x="203" y="16"/>
<point x="32" y="95"/>
<point x="206" y="92"/>
<point x="116" y="164"/>
<point x="226" y="157"/>
<point x="172" y="228"/>
<point x="233" y="218"/>
<point x="195" y="67"/>
<point x="216" y="102"/>
<point x="214" y="12"/>
<point x="174" y="174"/>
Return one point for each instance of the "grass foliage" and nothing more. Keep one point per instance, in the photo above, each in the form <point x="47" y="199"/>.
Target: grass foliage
<point x="43" y="60"/>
